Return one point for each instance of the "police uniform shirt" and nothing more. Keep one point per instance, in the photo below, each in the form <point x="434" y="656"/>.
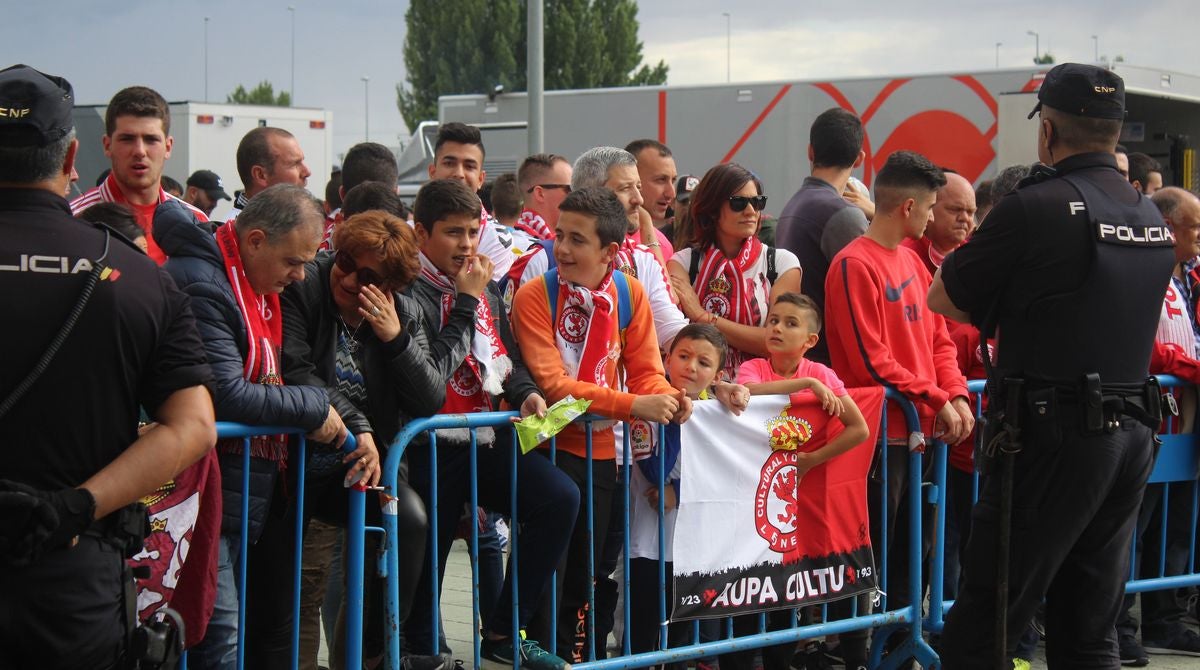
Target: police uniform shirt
<point x="1033" y="252"/>
<point x="134" y="344"/>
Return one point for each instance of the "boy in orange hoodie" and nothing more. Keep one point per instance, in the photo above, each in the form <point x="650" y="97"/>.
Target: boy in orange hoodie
<point x="587" y="331"/>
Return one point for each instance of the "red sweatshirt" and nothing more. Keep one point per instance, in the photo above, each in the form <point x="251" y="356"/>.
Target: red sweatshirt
<point x="881" y="333"/>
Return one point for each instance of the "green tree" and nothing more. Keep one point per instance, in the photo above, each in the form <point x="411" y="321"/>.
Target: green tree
<point x="471" y="45"/>
<point x="263" y="94"/>
<point x="1045" y="59"/>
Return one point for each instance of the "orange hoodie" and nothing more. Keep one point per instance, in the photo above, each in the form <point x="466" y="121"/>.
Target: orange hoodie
<point x="640" y="363"/>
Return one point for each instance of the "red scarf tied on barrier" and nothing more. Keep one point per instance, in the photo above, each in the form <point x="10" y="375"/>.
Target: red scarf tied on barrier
<point x="487" y="366"/>
<point x="531" y="222"/>
<point x="584" y="332"/>
<point x="263" y="321"/>
<point x="721" y="283"/>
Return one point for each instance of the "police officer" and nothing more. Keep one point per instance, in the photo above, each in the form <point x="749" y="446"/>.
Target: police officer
<point x="71" y="460"/>
<point x="1071" y="268"/>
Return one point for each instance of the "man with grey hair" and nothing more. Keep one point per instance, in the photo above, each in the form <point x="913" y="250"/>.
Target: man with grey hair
<point x="71" y="483"/>
<point x="234" y="279"/>
<point x="617" y="170"/>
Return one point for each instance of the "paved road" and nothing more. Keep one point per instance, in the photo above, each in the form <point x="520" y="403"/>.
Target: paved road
<point x="456" y="613"/>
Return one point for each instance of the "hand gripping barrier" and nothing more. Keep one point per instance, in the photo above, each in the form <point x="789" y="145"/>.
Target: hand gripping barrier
<point x="354" y="547"/>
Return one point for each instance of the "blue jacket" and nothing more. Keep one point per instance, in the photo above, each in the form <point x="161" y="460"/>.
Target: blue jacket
<point x="194" y="262"/>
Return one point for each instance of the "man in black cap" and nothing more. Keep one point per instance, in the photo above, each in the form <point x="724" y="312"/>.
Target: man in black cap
<point x="204" y="190"/>
<point x="73" y="464"/>
<point x="1072" y="414"/>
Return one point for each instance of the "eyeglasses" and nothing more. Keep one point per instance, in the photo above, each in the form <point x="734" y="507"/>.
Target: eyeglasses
<point x="738" y="202"/>
<point x="565" y="187"/>
<point x="363" y="276"/>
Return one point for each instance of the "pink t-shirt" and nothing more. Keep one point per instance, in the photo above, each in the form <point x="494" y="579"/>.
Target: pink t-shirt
<point x="758" y="371"/>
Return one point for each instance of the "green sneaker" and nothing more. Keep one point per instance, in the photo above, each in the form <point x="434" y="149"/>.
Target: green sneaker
<point x="533" y="657"/>
<point x="1021" y="664"/>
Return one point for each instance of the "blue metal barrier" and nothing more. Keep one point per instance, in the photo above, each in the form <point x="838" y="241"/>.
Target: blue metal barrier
<point x="1177" y="464"/>
<point x="354" y="551"/>
<point x="909" y="618"/>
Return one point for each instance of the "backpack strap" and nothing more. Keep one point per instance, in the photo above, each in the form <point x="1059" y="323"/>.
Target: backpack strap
<point x="694" y="268"/>
<point x="624" y="303"/>
<point x="551" y="279"/>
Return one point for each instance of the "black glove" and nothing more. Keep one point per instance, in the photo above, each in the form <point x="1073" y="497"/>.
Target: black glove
<point x="33" y="522"/>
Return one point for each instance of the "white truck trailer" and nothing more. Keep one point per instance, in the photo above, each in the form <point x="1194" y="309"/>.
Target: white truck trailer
<point x="206" y="137"/>
<point x="973" y="122"/>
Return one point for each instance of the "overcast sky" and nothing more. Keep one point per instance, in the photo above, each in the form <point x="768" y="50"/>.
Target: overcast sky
<point x="101" y="47"/>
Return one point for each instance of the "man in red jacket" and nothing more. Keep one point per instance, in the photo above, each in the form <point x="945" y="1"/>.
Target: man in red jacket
<point x="881" y="333"/>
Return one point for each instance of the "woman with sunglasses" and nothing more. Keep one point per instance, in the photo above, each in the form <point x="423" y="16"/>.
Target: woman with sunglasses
<point x="726" y="276"/>
<point x="347" y="328"/>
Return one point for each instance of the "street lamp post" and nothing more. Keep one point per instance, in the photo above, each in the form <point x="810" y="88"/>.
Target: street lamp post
<point x="998" y="45"/>
<point x="206" y="59"/>
<point x="1096" y="47"/>
<point x="292" y="11"/>
<point x="1037" y="45"/>
<point x="366" y="108"/>
<point x="728" y="47"/>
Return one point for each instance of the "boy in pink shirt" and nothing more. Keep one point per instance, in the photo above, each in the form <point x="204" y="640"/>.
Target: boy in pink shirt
<point x="792" y="326"/>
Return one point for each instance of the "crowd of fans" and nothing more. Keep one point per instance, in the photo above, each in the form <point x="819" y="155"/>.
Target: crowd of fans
<point x="610" y="277"/>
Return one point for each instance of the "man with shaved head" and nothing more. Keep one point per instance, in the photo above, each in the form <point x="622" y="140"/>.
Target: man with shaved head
<point x="953" y="221"/>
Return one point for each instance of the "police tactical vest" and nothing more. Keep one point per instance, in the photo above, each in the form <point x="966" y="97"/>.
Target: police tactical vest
<point x="1107" y="325"/>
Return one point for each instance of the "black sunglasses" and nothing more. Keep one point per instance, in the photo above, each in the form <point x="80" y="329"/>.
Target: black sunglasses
<point x="363" y="276"/>
<point x="738" y="202"/>
<point x="565" y="187"/>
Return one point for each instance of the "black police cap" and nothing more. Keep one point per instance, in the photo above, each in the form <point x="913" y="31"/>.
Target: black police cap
<point x="1083" y="90"/>
<point x="35" y="108"/>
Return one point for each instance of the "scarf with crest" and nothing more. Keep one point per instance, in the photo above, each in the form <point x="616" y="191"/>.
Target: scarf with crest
<point x="584" y="332"/>
<point x="264" y="336"/>
<point x="487" y="366"/>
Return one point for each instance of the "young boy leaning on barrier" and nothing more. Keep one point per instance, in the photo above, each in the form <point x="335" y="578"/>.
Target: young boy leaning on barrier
<point x="793" y="322"/>
<point x="478" y="360"/>
<point x="695" y="360"/>
<point x="584" y="328"/>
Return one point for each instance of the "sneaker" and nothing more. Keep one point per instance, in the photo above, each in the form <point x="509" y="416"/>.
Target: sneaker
<point x="812" y="656"/>
<point x="1186" y="643"/>
<point x="1021" y="664"/>
<point x="416" y="662"/>
<point x="533" y="656"/>
<point x="1131" y="652"/>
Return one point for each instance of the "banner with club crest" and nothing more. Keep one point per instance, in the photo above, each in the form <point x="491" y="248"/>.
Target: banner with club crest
<point x="751" y="535"/>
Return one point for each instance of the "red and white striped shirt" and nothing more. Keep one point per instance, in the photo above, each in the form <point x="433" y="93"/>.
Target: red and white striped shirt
<point x="110" y="191"/>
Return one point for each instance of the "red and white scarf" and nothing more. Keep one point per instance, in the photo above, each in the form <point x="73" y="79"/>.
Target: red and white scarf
<point x="263" y="321"/>
<point x="584" y="332"/>
<point x="487" y="366"/>
<point x="721" y="283"/>
<point x="531" y="222"/>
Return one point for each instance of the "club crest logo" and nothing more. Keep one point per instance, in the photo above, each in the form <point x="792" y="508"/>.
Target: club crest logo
<point x="719" y="284"/>
<point x="716" y="303"/>
<point x="572" y="327"/>
<point x="776" y="506"/>
<point x="465" y="382"/>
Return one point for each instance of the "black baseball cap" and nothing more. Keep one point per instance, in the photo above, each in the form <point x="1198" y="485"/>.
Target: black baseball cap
<point x="208" y="181"/>
<point x="35" y="108"/>
<point x="1083" y="90"/>
<point x="684" y="187"/>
